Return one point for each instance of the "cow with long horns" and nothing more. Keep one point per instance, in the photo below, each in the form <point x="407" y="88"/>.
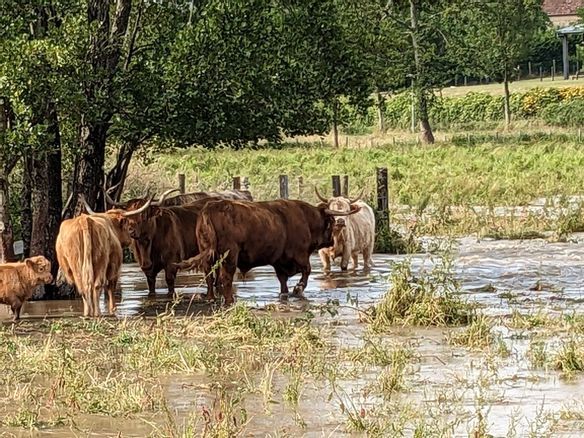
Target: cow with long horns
<point x="352" y="235"/>
<point x="163" y="236"/>
<point x="89" y="252"/>
<point x="244" y="235"/>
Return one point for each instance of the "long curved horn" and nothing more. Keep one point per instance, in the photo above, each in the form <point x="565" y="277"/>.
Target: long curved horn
<point x="112" y="202"/>
<point x="87" y="207"/>
<point x="352" y="200"/>
<point x="164" y="196"/>
<point x="139" y="210"/>
<point x="108" y="198"/>
<point x="325" y="200"/>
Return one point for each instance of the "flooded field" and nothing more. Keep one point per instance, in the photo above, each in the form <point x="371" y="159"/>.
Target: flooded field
<point x="513" y="372"/>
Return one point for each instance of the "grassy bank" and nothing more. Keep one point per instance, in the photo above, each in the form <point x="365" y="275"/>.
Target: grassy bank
<point x="434" y="186"/>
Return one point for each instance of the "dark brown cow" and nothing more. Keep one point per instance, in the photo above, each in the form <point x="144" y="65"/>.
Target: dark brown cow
<point x="163" y="236"/>
<point x="245" y="235"/>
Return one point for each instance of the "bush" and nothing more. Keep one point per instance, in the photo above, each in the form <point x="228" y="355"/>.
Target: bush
<point x="569" y="113"/>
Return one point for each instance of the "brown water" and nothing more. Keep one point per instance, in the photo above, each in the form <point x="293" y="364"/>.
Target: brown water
<point x="533" y="273"/>
<point x="499" y="275"/>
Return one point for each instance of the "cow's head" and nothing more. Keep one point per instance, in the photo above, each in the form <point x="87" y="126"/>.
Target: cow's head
<point x="332" y="223"/>
<point x="39" y="270"/>
<point x="339" y="206"/>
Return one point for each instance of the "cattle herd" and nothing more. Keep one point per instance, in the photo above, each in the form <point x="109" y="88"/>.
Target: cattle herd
<point x="212" y="232"/>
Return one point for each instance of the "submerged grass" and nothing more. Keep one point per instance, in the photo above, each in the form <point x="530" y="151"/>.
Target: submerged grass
<point x="431" y="299"/>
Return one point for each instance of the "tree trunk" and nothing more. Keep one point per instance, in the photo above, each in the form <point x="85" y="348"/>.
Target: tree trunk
<point x="26" y="209"/>
<point x="7" y="163"/>
<point x="105" y="48"/>
<point x="336" y="123"/>
<point x="6" y="238"/>
<point x="117" y="175"/>
<point x="506" y="100"/>
<point x="380" y="113"/>
<point x="425" y="127"/>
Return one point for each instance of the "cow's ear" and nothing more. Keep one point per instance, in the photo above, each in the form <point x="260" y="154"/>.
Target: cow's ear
<point x="156" y="211"/>
<point x="355" y="208"/>
<point x="31" y="264"/>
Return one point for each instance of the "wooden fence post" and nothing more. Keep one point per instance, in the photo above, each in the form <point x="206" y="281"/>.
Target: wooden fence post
<point x="181" y="183"/>
<point x="245" y="183"/>
<point x="529" y="68"/>
<point x="300" y="187"/>
<point x="336" y="185"/>
<point x="345" y="189"/>
<point x="382" y="190"/>
<point x="540" y="73"/>
<point x="236" y="183"/>
<point x="284" y="186"/>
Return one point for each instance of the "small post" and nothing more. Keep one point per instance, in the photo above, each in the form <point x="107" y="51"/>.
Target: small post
<point x="336" y="185"/>
<point x="565" y="57"/>
<point x="300" y="187"/>
<point x="181" y="183"/>
<point x="456" y="80"/>
<point x="382" y="190"/>
<point x="529" y="68"/>
<point x="579" y="135"/>
<point x="284" y="186"/>
<point x="245" y="183"/>
<point x="553" y="73"/>
<point x="465" y="81"/>
<point x="393" y="140"/>
<point x="467" y="138"/>
<point x="346" y="142"/>
<point x="540" y="73"/>
<point x="345" y="190"/>
<point x="236" y="183"/>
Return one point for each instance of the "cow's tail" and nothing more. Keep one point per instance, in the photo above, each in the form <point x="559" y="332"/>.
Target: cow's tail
<point x="87" y="277"/>
<point x="207" y="241"/>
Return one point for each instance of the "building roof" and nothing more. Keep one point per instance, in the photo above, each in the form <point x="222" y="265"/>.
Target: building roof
<point x="562" y="7"/>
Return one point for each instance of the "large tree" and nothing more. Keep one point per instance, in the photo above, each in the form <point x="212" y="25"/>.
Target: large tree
<point x="500" y="34"/>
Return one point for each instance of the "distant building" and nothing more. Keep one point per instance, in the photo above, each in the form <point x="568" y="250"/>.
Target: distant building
<point x="563" y="12"/>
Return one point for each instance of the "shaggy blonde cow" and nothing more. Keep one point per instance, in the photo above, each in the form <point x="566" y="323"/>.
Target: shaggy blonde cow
<point x="351" y="234"/>
<point x="89" y="252"/>
<point x="18" y="281"/>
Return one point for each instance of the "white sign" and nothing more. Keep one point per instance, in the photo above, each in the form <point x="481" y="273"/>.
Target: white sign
<point x="18" y="247"/>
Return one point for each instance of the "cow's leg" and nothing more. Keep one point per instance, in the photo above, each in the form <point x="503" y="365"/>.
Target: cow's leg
<point x="226" y="273"/>
<point x="345" y="258"/>
<point x="151" y="280"/>
<point x="305" y="270"/>
<point x="283" y="279"/>
<point x="96" y="294"/>
<point x="170" y="276"/>
<point x="325" y="259"/>
<point x="111" y="288"/>
<point x="86" y="306"/>
<point x="355" y="257"/>
<point x="367" y="262"/>
<point x="210" y="280"/>
<point x="16" y="305"/>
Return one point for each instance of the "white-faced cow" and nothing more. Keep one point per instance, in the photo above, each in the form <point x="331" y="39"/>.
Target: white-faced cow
<point x="351" y="235"/>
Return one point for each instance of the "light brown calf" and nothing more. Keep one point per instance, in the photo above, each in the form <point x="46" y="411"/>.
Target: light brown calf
<point x="18" y="281"/>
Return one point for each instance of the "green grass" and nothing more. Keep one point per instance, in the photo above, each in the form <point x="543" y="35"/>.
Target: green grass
<point x="487" y="173"/>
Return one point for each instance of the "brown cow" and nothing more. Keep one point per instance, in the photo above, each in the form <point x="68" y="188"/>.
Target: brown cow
<point x="18" y="281"/>
<point x="244" y="235"/>
<point x="89" y="251"/>
<point x="163" y="236"/>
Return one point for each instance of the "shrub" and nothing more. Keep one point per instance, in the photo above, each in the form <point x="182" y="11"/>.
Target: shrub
<point x="569" y="113"/>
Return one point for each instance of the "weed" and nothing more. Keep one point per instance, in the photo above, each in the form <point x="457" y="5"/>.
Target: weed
<point x="570" y="356"/>
<point x="430" y="299"/>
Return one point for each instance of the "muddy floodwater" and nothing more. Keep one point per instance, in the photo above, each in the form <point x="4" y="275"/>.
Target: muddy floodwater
<point x="497" y="274"/>
<point x="501" y="276"/>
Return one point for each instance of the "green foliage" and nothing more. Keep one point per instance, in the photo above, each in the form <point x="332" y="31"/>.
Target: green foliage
<point x="568" y="113"/>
